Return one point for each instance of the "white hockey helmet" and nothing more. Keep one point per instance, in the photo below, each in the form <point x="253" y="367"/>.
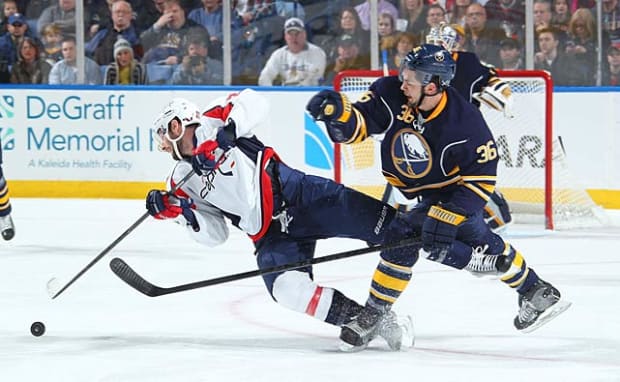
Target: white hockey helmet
<point x="183" y="110"/>
<point x="448" y="36"/>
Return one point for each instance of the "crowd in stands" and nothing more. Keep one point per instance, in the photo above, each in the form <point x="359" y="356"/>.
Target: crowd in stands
<point x="294" y="42"/>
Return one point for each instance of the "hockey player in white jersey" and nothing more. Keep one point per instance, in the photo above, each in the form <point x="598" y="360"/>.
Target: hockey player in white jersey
<point x="242" y="182"/>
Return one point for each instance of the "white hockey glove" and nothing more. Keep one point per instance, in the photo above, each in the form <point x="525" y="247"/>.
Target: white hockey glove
<point x="497" y="96"/>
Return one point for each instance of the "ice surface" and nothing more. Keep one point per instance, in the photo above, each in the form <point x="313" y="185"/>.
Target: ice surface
<point x="101" y="330"/>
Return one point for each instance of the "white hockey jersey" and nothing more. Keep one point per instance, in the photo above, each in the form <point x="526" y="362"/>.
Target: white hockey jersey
<point x="239" y="189"/>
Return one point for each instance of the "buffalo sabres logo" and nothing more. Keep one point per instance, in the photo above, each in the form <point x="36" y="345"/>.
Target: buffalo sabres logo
<point x="411" y="154"/>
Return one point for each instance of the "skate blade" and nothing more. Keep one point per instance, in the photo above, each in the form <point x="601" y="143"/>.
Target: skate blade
<point x="408" y="338"/>
<point x="348" y="348"/>
<point x="552" y="312"/>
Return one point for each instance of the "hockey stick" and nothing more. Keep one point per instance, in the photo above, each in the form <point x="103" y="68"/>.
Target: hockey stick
<point x="52" y="285"/>
<point x="137" y="282"/>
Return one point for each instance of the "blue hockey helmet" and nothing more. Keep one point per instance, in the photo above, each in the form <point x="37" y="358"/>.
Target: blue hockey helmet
<point x="431" y="63"/>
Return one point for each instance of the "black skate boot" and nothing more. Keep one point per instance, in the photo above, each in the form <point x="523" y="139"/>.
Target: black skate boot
<point x="356" y="334"/>
<point x="539" y="305"/>
<point x="370" y="323"/>
<point x="6" y="227"/>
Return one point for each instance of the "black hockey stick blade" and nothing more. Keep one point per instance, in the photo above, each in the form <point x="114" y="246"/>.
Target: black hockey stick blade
<point x="53" y="285"/>
<point x="133" y="279"/>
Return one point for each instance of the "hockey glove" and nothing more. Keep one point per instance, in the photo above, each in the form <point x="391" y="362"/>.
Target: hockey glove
<point x="334" y="109"/>
<point x="162" y="205"/>
<point x="227" y="135"/>
<point x="497" y="96"/>
<point x="440" y="227"/>
<point x="203" y="161"/>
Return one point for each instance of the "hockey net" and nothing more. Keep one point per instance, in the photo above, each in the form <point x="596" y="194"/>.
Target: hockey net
<point x="532" y="173"/>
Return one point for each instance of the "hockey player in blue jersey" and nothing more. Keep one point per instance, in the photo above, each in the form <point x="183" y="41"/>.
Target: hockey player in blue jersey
<point x="7" y="228"/>
<point x="479" y="84"/>
<point x="241" y="182"/>
<point x="438" y="148"/>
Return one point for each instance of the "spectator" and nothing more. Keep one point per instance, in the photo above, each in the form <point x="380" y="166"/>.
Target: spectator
<point x="125" y="70"/>
<point x="507" y="15"/>
<point x="165" y="40"/>
<point x="9" y="8"/>
<point x="405" y="42"/>
<point x="348" y="58"/>
<point x="611" y="18"/>
<point x="555" y="61"/>
<point x="101" y="46"/>
<point x="52" y="40"/>
<point x="298" y="63"/>
<point x="101" y="15"/>
<point x="64" y="72"/>
<point x="149" y="13"/>
<point x="581" y="43"/>
<point x="322" y="19"/>
<point x="197" y="68"/>
<point x="210" y="16"/>
<point x="387" y="32"/>
<point x="611" y="74"/>
<point x="62" y="14"/>
<point x="414" y="13"/>
<point x="383" y="6"/>
<point x="29" y="68"/>
<point x="435" y="14"/>
<point x="18" y="29"/>
<point x="458" y="12"/>
<point x="482" y="39"/>
<point x="560" y="15"/>
<point x="350" y="25"/>
<point x="542" y="14"/>
<point x="510" y="55"/>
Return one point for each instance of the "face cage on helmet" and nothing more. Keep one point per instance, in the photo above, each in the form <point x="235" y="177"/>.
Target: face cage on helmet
<point x="449" y="38"/>
<point x="444" y="36"/>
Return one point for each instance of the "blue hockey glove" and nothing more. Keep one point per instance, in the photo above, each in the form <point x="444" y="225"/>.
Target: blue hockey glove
<point x="334" y="109"/>
<point x="440" y="227"/>
<point x="328" y="105"/>
<point x="227" y="135"/>
<point x="162" y="205"/>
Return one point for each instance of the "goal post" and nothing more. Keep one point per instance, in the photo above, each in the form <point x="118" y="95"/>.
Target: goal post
<point x="532" y="171"/>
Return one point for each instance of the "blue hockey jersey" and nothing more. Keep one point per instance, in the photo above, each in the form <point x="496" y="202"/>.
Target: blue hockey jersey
<point x="471" y="75"/>
<point x="447" y="154"/>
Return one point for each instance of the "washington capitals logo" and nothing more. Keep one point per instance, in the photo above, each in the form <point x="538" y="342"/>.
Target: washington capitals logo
<point x="411" y="154"/>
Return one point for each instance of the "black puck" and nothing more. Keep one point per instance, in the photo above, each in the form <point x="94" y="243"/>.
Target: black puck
<point x="37" y="329"/>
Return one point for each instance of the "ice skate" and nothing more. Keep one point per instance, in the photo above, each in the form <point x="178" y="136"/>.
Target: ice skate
<point x="396" y="331"/>
<point x="370" y="323"/>
<point x="6" y="227"/>
<point x="539" y="305"/>
<point x="485" y="265"/>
